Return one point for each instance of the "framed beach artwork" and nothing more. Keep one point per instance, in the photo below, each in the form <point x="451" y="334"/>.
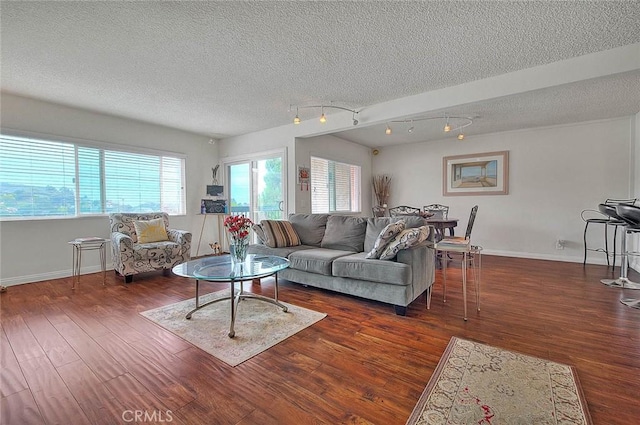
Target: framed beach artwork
<point x="476" y="174"/>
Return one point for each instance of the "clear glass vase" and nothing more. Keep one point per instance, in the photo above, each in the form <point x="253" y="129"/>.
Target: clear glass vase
<point x="238" y="250"/>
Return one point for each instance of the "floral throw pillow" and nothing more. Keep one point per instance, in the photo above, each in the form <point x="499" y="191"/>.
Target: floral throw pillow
<point x="386" y="235"/>
<point x="406" y="239"/>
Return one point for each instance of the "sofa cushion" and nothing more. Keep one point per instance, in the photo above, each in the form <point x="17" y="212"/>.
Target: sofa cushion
<point x="376" y="224"/>
<point x="157" y="252"/>
<point x="279" y="233"/>
<point x="390" y="231"/>
<point x="345" y="233"/>
<point x="280" y="252"/>
<point x="406" y="239"/>
<point x="310" y="227"/>
<point x="356" y="266"/>
<point x="151" y="230"/>
<point x="315" y="260"/>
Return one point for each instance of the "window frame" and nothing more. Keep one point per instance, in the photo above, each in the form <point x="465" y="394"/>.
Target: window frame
<point x="102" y="146"/>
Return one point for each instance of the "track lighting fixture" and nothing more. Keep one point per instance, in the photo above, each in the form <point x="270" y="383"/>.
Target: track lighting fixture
<point x="458" y="122"/>
<point x="323" y="117"/>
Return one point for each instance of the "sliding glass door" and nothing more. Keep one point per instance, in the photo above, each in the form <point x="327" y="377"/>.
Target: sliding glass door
<point x="256" y="188"/>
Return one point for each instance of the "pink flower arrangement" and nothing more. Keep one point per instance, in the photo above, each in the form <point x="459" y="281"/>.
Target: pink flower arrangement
<point x="238" y="226"/>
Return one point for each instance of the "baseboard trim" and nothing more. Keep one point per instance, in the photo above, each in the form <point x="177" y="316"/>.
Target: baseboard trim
<point x="19" y="280"/>
<point x="60" y="274"/>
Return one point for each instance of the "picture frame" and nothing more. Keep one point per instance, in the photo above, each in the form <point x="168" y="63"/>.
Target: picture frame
<point x="303" y="174"/>
<point x="476" y="174"/>
<point x="304" y="177"/>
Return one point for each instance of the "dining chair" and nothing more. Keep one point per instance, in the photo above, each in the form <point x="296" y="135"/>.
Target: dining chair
<point x="467" y="233"/>
<point x="403" y="210"/>
<point x="439" y="211"/>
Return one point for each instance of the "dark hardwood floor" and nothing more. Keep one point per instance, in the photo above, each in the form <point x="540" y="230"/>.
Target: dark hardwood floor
<point x="87" y="356"/>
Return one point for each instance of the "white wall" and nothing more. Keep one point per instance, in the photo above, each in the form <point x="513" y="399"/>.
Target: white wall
<point x="33" y="250"/>
<point x="333" y="148"/>
<point x="554" y="173"/>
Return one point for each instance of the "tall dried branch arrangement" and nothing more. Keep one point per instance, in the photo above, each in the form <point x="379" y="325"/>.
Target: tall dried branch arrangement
<point x="382" y="187"/>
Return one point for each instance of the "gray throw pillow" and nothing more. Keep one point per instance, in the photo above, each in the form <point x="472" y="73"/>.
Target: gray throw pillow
<point x="345" y="233"/>
<point x="385" y="236"/>
<point x="404" y="240"/>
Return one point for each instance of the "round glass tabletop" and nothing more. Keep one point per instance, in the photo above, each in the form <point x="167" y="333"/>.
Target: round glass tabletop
<point x="220" y="268"/>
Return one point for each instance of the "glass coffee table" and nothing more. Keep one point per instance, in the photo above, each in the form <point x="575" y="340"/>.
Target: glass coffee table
<point x="221" y="269"/>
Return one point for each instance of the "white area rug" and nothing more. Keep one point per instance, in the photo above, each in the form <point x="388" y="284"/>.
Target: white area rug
<point x="259" y="325"/>
<point x="480" y="384"/>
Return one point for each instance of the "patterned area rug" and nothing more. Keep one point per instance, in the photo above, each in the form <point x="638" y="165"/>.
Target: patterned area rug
<point x="479" y="384"/>
<point x="259" y="325"/>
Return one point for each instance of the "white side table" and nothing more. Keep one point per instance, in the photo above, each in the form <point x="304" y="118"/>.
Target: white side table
<point x="88" y="244"/>
<point x="472" y="253"/>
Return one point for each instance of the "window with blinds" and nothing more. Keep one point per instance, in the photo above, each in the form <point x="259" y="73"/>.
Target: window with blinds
<point x="44" y="178"/>
<point x="335" y="186"/>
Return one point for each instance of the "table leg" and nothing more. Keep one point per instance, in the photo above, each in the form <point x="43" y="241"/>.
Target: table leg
<point x="464" y="283"/>
<point x="479" y="281"/>
<point x="444" y="278"/>
<point x="234" y="304"/>
<point x="235" y="299"/>
<point x="276" y="287"/>
<point x="74" y="265"/>
<point x="103" y="263"/>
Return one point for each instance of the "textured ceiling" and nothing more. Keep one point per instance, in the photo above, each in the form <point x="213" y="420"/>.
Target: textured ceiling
<point x="600" y="98"/>
<point x="229" y="68"/>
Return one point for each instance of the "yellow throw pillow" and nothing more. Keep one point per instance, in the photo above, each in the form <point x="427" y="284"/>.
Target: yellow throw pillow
<point x="151" y="231"/>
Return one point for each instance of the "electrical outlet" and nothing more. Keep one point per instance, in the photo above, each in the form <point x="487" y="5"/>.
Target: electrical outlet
<point x="560" y="244"/>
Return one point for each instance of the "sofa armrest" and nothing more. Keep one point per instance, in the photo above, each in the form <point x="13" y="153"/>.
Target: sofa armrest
<point x="182" y="238"/>
<point x="121" y="242"/>
<point x="422" y="261"/>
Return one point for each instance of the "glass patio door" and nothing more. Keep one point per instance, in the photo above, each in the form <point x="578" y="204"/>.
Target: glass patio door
<point x="256" y="188"/>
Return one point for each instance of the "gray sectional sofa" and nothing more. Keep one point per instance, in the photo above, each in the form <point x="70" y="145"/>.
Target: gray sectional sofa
<point x="332" y="256"/>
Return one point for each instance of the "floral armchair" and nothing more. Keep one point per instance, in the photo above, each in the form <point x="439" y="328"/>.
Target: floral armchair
<point x="131" y="257"/>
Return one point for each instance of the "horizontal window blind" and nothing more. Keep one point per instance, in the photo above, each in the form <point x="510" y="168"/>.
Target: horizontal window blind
<point x="335" y="186"/>
<point x="43" y="178"/>
<point x="37" y="178"/>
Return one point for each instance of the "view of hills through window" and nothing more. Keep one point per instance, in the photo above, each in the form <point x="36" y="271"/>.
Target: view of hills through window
<point x="40" y="178"/>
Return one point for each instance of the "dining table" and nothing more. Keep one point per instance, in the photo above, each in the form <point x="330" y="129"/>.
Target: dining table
<point x="441" y="225"/>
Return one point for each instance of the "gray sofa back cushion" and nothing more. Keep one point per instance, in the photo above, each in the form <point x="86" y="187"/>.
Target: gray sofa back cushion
<point x="376" y="224"/>
<point x="345" y="233"/>
<point x="310" y="227"/>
